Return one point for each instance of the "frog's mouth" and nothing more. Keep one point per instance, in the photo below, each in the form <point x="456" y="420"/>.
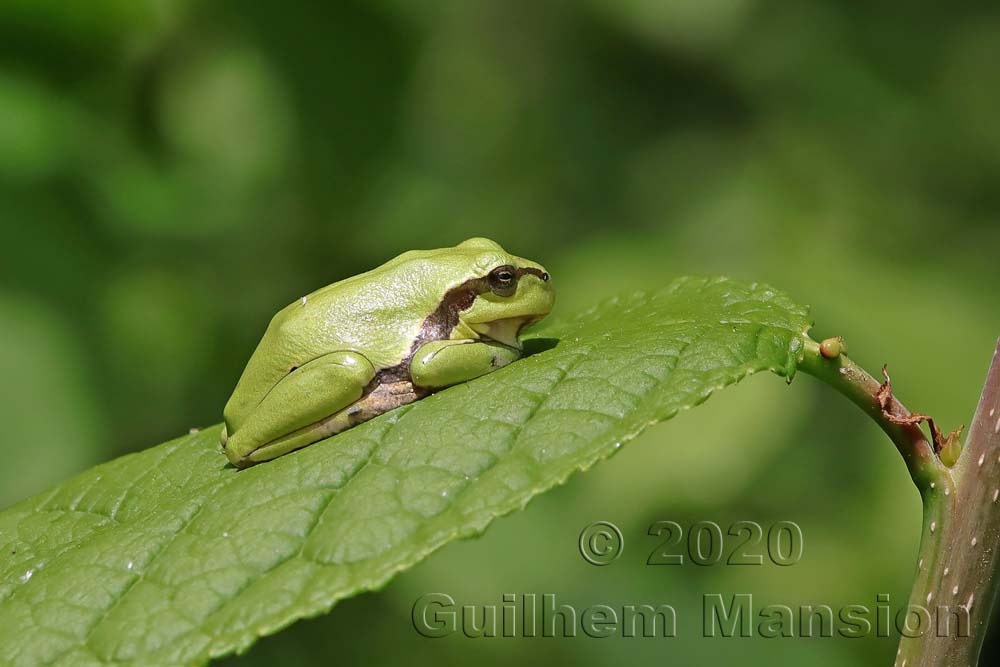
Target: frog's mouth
<point x="505" y="331"/>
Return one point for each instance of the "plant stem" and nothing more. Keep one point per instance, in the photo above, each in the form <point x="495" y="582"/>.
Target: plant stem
<point x="956" y="584"/>
<point x="841" y="373"/>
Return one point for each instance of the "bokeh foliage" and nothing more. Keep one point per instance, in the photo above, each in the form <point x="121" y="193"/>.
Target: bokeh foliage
<point x="171" y="173"/>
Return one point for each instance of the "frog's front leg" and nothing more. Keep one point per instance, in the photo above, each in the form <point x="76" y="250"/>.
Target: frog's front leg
<point x="442" y="363"/>
<point x="290" y="416"/>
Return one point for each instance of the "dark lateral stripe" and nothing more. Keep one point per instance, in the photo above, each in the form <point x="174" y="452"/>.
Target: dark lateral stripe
<point x="533" y="271"/>
<point x="439" y="324"/>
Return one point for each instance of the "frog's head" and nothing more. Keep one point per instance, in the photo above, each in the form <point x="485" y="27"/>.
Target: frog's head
<point x="507" y="292"/>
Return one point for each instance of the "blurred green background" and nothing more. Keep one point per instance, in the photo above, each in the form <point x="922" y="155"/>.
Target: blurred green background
<point x="173" y="172"/>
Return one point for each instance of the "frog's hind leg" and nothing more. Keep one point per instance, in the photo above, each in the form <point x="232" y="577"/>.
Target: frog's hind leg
<point x="290" y="416"/>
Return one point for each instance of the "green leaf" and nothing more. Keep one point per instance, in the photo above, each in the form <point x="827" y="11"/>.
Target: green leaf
<point x="171" y="556"/>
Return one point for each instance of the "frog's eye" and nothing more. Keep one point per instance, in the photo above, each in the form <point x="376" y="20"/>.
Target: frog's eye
<point x="503" y="280"/>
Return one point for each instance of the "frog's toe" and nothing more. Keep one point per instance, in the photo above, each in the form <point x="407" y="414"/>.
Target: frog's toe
<point x="238" y="451"/>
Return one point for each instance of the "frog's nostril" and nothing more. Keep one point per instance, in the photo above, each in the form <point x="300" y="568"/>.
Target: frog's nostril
<point x="545" y="276"/>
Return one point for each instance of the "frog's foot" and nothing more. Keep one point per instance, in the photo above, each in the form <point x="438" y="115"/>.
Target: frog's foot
<point x="381" y="399"/>
<point x="287" y="417"/>
<point x="442" y="363"/>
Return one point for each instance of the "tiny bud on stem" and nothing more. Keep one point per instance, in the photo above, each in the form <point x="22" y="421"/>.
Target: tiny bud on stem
<point x="832" y="347"/>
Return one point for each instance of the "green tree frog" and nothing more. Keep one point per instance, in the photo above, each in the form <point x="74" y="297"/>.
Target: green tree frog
<point x="350" y="351"/>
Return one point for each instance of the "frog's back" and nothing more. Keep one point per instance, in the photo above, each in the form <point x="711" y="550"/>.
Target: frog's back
<point x="377" y="313"/>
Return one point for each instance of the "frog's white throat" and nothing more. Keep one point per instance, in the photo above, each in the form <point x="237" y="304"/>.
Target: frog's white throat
<point x="503" y="331"/>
